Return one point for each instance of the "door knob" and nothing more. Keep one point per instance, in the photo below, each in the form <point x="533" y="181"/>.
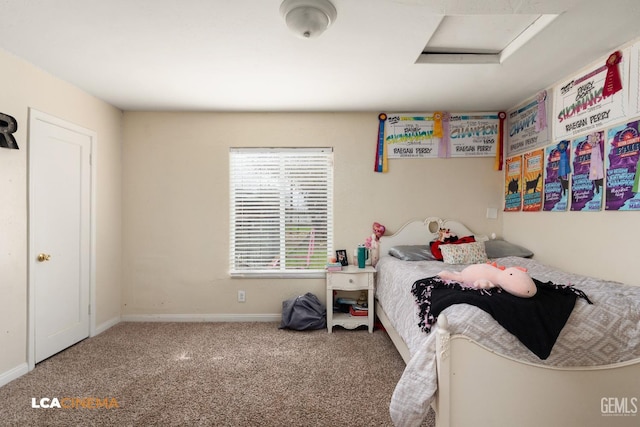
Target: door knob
<point x="44" y="257"/>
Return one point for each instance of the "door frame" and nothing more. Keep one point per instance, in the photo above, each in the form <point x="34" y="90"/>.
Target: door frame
<point x="35" y="115"/>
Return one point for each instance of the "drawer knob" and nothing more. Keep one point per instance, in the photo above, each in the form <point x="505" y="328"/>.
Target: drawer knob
<point x="350" y="280"/>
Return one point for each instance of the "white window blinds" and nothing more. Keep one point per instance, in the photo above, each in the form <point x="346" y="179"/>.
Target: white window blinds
<point x="281" y="210"/>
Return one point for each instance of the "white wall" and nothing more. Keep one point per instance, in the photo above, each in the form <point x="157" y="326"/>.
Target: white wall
<point x="599" y="244"/>
<point x="24" y="86"/>
<point x="176" y="202"/>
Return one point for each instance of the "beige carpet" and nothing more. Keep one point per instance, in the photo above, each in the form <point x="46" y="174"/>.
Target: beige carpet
<point x="211" y="374"/>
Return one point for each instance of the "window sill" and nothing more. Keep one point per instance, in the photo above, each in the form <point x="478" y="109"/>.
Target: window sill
<point x="277" y="275"/>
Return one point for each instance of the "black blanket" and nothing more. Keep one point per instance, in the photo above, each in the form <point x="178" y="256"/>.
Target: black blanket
<point x="535" y="321"/>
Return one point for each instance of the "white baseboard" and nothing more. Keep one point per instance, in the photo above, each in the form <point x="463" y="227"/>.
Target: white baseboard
<point x="201" y="317"/>
<point x="106" y="325"/>
<point x="13" y="373"/>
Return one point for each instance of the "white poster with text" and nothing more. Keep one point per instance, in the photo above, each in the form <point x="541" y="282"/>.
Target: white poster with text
<point x="587" y="102"/>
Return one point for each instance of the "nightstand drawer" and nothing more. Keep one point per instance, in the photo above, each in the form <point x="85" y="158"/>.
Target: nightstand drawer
<point x="348" y="281"/>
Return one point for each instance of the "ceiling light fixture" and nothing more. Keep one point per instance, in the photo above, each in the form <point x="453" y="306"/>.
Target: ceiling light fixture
<point x="308" y="18"/>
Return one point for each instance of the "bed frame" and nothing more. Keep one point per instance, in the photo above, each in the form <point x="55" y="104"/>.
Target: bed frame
<point x="478" y="387"/>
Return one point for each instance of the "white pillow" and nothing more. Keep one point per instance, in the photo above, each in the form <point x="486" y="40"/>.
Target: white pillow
<point x="465" y="253"/>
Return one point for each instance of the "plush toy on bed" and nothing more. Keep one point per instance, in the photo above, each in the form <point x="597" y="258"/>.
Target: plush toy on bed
<point x="514" y="280"/>
<point x="445" y="235"/>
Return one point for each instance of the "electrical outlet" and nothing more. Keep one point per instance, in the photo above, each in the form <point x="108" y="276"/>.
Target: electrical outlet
<point x="241" y="296"/>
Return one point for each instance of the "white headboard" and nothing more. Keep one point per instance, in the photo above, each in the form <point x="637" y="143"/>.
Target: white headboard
<point x="421" y="232"/>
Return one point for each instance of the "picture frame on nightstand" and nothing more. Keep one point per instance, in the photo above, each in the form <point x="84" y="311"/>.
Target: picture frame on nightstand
<point x="341" y="256"/>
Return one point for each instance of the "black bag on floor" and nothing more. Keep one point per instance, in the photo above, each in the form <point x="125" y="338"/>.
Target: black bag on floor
<point x="303" y="312"/>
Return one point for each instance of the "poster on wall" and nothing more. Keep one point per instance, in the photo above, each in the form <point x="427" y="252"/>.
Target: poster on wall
<point x="473" y="134"/>
<point x="512" y="185"/>
<point x="591" y="101"/>
<point x="588" y="172"/>
<point x="527" y="125"/>
<point x="622" y="167"/>
<point x="532" y="181"/>
<point x="412" y="136"/>
<point x="556" y="179"/>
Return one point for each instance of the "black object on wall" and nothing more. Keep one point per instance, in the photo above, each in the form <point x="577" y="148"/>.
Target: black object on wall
<point x="8" y="125"/>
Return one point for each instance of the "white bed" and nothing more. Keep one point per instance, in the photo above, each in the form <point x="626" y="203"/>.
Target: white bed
<point x="474" y="373"/>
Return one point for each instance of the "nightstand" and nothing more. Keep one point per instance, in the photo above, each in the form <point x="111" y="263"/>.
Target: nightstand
<point x="350" y="278"/>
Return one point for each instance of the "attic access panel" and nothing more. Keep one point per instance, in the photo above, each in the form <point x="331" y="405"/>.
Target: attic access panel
<point x="481" y="38"/>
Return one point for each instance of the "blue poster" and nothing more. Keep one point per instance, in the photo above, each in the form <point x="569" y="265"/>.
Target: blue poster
<point x="556" y="179"/>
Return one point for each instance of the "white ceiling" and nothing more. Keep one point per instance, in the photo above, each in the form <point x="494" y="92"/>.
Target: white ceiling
<point x="238" y="55"/>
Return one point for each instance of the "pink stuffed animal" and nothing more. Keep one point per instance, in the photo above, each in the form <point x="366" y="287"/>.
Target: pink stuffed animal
<point x="514" y="280"/>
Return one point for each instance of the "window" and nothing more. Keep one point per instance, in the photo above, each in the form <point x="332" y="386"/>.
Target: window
<point x="281" y="210"/>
